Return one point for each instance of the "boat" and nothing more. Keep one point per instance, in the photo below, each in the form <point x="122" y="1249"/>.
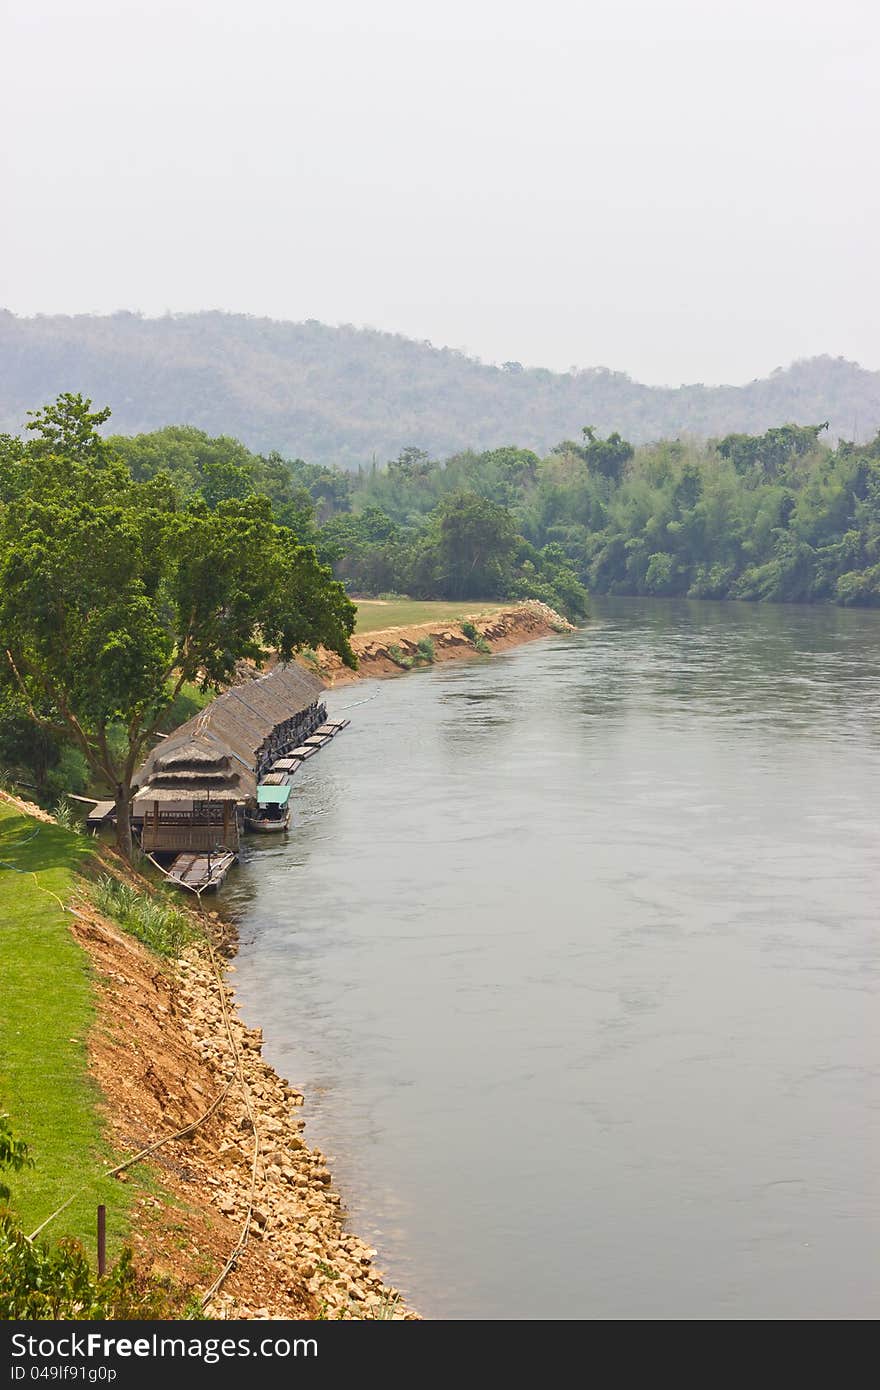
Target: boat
<point x="270" y="812"/>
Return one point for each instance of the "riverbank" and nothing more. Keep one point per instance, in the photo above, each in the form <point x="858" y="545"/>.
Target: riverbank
<point x="176" y="1068"/>
<point x="169" y="1053"/>
<point x="382" y="652"/>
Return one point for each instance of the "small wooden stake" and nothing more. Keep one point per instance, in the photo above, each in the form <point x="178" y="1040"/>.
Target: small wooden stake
<point x="102" y="1241"/>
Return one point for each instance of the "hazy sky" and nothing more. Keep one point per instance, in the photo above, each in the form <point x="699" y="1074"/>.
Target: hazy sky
<point x="685" y="190"/>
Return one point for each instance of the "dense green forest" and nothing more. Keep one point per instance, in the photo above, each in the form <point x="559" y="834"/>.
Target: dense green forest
<point x="133" y="566"/>
<point x="780" y="516"/>
<point x="344" y="396"/>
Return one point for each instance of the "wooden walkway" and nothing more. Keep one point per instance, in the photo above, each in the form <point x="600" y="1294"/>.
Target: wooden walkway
<point x="284" y="768"/>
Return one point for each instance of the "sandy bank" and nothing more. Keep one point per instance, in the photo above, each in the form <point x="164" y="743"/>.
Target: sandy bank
<point x="510" y="627"/>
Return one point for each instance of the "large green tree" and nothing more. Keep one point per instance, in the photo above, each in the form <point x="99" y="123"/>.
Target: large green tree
<point x="115" y="592"/>
<point x="476" y="539"/>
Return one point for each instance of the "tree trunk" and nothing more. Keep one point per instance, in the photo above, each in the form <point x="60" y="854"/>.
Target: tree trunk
<point x="123" y="819"/>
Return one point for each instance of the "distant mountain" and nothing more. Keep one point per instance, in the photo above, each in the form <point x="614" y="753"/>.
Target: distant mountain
<point x="346" y="395"/>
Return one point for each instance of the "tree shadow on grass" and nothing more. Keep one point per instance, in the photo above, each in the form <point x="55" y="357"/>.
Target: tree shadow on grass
<point x="31" y="846"/>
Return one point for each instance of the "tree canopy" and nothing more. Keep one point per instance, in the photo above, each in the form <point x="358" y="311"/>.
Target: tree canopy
<point x="114" y="592"/>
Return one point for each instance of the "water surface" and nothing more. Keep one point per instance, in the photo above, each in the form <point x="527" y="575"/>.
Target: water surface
<point x="574" y="951"/>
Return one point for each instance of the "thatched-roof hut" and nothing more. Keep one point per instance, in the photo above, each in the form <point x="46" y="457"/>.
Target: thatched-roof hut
<point x="192" y="788"/>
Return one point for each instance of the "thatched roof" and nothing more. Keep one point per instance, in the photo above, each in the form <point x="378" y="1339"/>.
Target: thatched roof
<point x="184" y="795"/>
<point x="172" y="753"/>
<point x="219" y="747"/>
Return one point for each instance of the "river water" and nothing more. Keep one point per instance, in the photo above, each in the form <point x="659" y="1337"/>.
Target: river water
<point x="574" y="952"/>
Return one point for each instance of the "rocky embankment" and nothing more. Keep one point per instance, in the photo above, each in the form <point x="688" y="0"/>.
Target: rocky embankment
<point x="506" y="628"/>
<point x="296" y="1218"/>
<point x="169" y="1053"/>
<point x="167" y="1045"/>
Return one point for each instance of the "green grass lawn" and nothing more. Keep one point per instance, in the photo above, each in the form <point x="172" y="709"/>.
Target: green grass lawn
<point x="374" y="614"/>
<point x="46" y="1011"/>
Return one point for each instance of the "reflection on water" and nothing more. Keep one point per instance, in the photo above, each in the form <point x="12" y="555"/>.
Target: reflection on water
<point x="574" y="953"/>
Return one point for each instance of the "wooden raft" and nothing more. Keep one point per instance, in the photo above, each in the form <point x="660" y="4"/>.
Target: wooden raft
<point x="199" y="873"/>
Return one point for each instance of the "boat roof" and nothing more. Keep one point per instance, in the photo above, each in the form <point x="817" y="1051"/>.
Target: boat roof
<point x="272" y="796"/>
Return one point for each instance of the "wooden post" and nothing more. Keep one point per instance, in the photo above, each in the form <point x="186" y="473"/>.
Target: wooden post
<point x="226" y="825"/>
<point x="102" y="1241"/>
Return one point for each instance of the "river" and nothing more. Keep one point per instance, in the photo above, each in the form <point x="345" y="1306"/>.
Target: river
<point x="574" y="953"/>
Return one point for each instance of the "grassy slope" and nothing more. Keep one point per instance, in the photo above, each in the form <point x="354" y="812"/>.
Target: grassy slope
<point x="373" y="614"/>
<point x="45" y="1015"/>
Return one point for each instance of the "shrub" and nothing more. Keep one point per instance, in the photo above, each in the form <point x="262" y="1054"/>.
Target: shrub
<point x="47" y="1282"/>
<point x="399" y="657"/>
<point x="479" y="641"/>
<point x="425" y="648"/>
<point x="158" y="925"/>
<point x="13" y="1154"/>
<point x="66" y="817"/>
<point x="859" y="588"/>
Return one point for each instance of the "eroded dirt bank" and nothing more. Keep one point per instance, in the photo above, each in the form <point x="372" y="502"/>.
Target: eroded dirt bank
<point x="246" y="1164"/>
<point x="510" y="627"/>
<point x="180" y="1046"/>
<point x="166" y="1045"/>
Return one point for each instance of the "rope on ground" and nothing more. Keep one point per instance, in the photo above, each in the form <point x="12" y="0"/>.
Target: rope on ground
<point x="178" y="1134"/>
<point x="231" y="1262"/>
<point x="138" y="1157"/>
<point x="17" y="844"/>
<point x="238" y="1075"/>
<point x="5" y="864"/>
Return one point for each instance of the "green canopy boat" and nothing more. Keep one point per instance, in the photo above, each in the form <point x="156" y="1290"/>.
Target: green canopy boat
<point x="271" y="810"/>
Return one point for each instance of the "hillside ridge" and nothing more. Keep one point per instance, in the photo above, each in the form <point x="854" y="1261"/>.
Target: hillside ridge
<point x="348" y="396"/>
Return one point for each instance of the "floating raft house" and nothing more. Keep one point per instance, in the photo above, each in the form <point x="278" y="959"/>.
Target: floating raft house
<point x="193" y="788"/>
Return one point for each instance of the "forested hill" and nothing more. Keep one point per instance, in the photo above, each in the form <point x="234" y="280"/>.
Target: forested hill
<point x="345" y="395"/>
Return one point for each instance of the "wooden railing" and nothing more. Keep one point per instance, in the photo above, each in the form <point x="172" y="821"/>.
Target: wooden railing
<point x="167" y="836"/>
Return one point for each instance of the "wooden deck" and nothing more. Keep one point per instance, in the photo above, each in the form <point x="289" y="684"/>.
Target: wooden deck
<point x="312" y="745"/>
<point x="288" y="765"/>
<point x="199" y="872"/>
